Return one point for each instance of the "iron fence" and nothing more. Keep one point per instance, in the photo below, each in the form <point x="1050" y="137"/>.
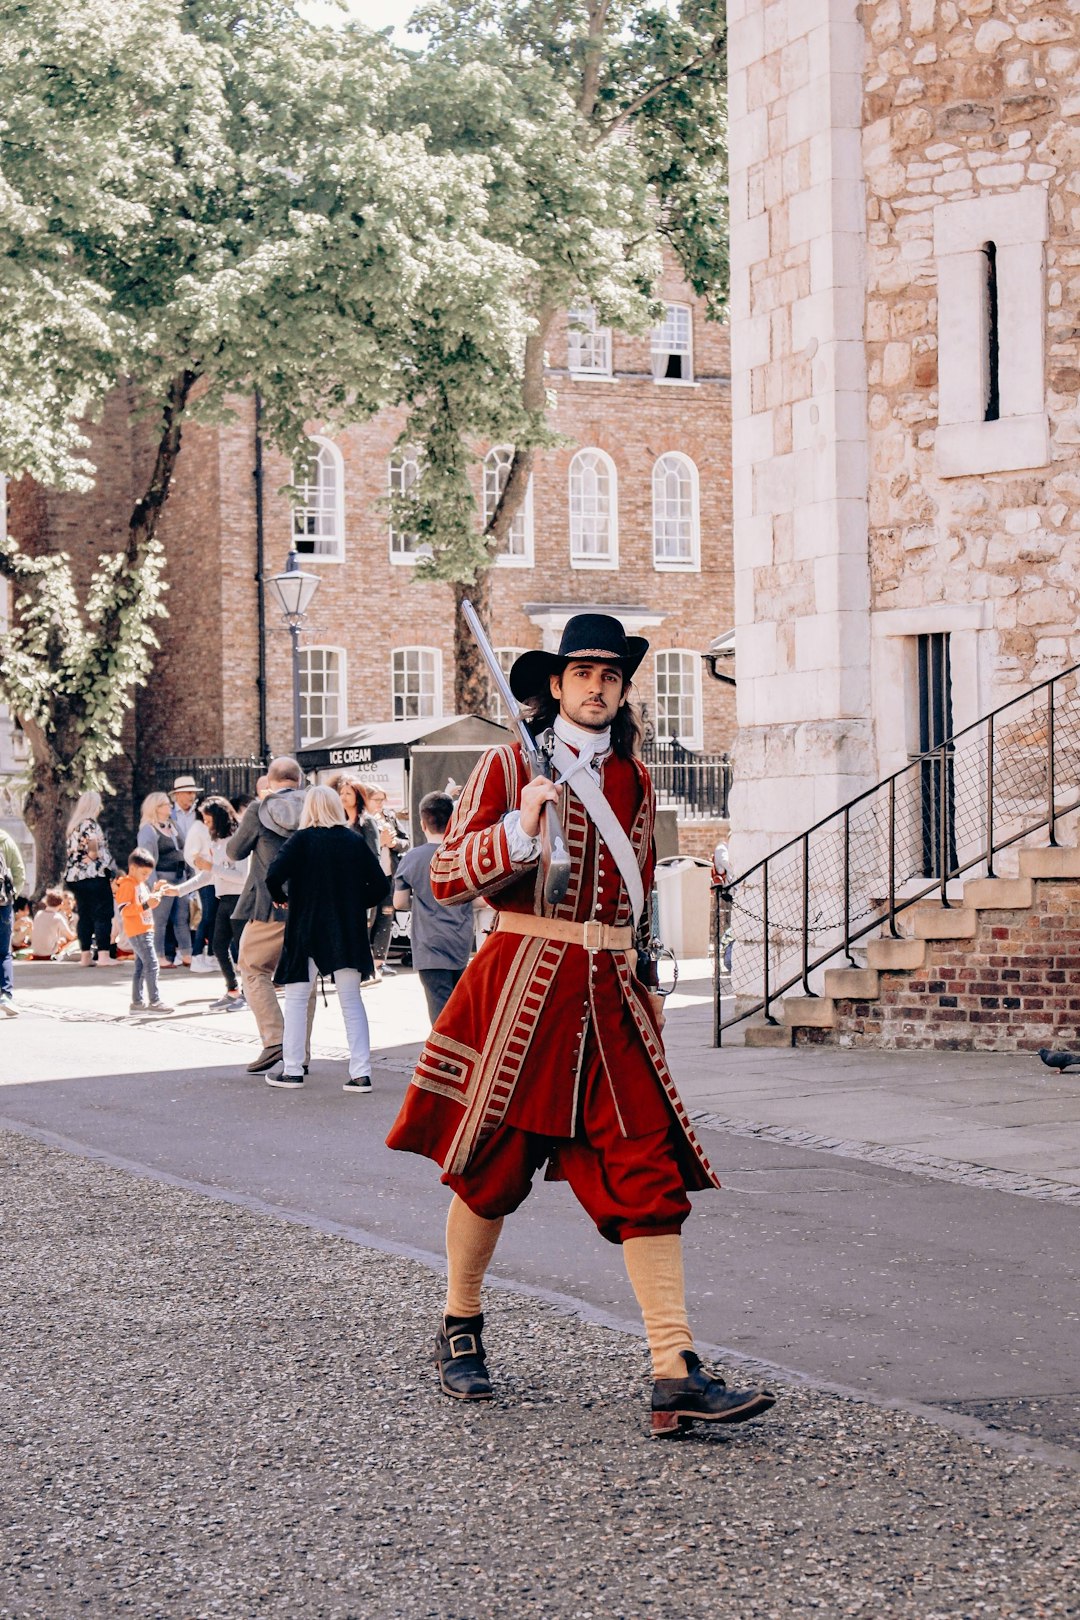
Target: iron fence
<point x="226" y="774"/>
<point x="700" y="784"/>
<point x="951" y="812"/>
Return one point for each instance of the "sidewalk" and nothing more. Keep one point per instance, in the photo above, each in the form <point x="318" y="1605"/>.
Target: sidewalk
<point x="1001" y="1112"/>
<point x="959" y="1114"/>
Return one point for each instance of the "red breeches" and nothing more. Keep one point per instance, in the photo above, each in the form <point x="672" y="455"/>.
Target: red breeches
<point x="629" y="1186"/>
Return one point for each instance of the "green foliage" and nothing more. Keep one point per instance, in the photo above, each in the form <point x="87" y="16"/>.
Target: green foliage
<point x="204" y="199"/>
<point x="603" y="126"/>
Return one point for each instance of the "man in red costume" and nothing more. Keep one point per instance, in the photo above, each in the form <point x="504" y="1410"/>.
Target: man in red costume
<point x="549" y="1050"/>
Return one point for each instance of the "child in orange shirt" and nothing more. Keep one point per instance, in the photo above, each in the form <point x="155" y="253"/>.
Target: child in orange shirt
<point x="136" y="903"/>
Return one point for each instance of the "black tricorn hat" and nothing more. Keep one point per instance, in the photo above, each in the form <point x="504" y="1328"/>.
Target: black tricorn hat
<point x="586" y="636"/>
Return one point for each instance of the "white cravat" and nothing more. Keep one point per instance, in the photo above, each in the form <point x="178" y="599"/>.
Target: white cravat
<point x="592" y="747"/>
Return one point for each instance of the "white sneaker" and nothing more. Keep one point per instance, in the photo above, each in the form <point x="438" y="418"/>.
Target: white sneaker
<point x="137" y="1007"/>
<point x="8" y="1007"/>
<point x="203" y="964"/>
<point x="158" y="1009"/>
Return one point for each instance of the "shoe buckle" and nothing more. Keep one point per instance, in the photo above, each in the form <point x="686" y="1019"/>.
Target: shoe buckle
<point x="463" y="1344"/>
<point x="593" y="935"/>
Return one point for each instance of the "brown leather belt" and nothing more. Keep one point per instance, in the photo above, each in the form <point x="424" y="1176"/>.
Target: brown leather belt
<point x="595" y="936"/>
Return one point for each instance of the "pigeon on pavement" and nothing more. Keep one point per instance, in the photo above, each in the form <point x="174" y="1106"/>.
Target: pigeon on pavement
<point x="1058" y="1060"/>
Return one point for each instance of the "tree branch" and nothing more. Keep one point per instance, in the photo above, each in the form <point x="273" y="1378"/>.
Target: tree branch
<point x="594" y="50"/>
<point x="645" y="96"/>
<point x="512" y="495"/>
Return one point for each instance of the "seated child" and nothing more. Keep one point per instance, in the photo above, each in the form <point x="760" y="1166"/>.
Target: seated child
<point x="21" y="926"/>
<point x="135" y="903"/>
<point x="50" y="930"/>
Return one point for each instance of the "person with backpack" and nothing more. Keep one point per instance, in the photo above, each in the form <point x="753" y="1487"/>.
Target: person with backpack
<point x="12" y="878"/>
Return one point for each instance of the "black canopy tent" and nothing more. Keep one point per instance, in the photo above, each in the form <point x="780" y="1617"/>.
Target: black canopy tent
<point x="407" y="758"/>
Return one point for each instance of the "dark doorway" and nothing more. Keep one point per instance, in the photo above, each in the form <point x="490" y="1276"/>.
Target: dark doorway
<point x="937" y="788"/>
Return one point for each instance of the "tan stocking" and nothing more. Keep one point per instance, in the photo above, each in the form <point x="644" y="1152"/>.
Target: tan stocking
<point x="470" y="1244"/>
<point x="655" y="1268"/>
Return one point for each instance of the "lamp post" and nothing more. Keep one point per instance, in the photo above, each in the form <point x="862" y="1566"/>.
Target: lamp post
<point x="293" y="591"/>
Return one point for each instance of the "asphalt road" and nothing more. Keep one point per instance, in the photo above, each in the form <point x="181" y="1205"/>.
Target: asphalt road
<point x="849" y="1273"/>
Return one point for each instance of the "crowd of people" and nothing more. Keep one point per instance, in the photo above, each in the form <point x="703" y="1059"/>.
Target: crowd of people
<point x="274" y="891"/>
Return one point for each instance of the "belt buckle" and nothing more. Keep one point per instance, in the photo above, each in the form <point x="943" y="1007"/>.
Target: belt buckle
<point x="593" y="935"/>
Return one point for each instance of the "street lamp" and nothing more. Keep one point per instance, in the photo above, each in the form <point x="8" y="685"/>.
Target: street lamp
<point x="293" y="591"/>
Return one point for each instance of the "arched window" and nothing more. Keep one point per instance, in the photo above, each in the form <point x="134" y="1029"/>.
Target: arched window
<point x="678" y="698"/>
<point x="518" y="549"/>
<point x="673" y="345"/>
<point x="675" y="524"/>
<point x="322" y="693"/>
<point x="318" y="525"/>
<point x="402" y="472"/>
<point x="593" y="511"/>
<point x="416" y="683"/>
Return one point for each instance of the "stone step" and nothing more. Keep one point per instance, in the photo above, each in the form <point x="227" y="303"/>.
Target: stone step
<point x="810" y="1012"/>
<point x="944" y="922"/>
<point x="896" y="955"/>
<point x="768" y="1035"/>
<point x="851" y="984"/>
<point x="1058" y="862"/>
<point x="999" y="894"/>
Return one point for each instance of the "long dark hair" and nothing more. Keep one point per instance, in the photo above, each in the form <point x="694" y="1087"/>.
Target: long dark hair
<point x="221" y="813"/>
<point x="627" y="730"/>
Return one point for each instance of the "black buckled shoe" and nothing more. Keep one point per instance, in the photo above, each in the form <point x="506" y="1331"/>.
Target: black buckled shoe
<point x="459" y="1356"/>
<point x="702" y="1397"/>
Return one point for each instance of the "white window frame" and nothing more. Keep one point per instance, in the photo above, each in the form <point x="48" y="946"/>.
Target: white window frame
<point x="435" y="654"/>
<point x="322" y="447"/>
<point x="402" y="554"/>
<point x="579" y="559"/>
<point x="588" y="346"/>
<point x="307" y="739"/>
<point x="689" y="662"/>
<point x="667" y="340"/>
<point x="1017" y="223"/>
<point x="677" y="565"/>
<point x="506" y="656"/>
<point x="523" y="520"/>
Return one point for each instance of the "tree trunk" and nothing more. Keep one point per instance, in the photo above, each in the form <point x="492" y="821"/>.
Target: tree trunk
<point x="472" y="685"/>
<point x="59" y="764"/>
<point x="49" y="802"/>
<point x="473" y="690"/>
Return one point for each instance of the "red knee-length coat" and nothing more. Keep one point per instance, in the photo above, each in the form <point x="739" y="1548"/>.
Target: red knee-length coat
<point x="509" y="1046"/>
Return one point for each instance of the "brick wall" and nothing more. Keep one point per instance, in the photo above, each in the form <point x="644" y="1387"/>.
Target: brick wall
<point x="700" y="838"/>
<point x="367" y="604"/>
<point x="203" y="695"/>
<point x="1013" y="988"/>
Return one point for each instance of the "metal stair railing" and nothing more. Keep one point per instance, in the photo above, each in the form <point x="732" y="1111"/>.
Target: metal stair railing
<point x="948" y="812"/>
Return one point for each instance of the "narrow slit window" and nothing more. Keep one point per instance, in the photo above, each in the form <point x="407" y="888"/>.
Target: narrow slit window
<point x="993" y="337"/>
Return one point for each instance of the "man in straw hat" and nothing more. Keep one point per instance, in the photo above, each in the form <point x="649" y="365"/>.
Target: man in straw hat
<point x="549" y="1051"/>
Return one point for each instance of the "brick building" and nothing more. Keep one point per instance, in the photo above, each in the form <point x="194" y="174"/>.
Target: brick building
<point x="632" y="514"/>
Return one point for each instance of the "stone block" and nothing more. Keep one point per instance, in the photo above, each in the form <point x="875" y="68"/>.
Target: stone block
<point x="809" y="1012"/>
<point x="1050" y="863"/>
<point x="851" y="984"/>
<point x="896" y="955"/>
<point x="998" y="894"/>
<point x="768" y="1035"/>
<point x="944" y="922"/>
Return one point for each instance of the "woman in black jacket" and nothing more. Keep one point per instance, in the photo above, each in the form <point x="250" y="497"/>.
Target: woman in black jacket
<point x="327" y="877"/>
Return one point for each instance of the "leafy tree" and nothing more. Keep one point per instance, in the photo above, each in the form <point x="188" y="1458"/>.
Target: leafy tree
<point x="201" y="199"/>
<point x="603" y="125"/>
